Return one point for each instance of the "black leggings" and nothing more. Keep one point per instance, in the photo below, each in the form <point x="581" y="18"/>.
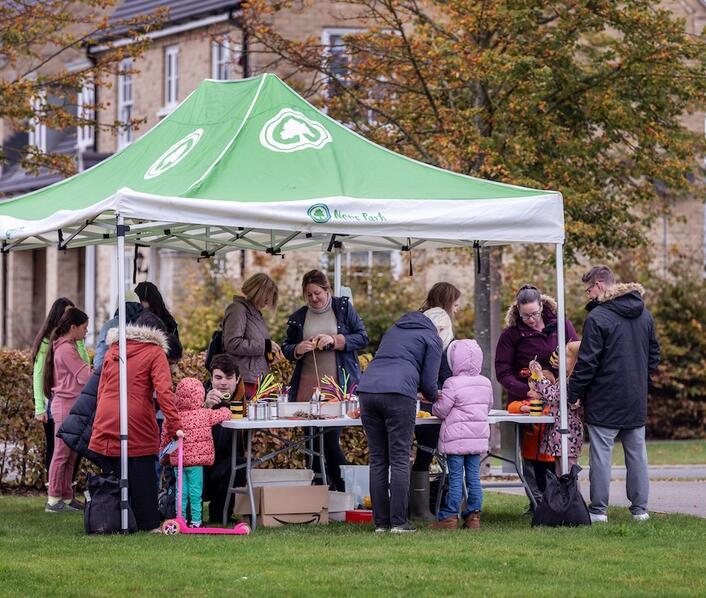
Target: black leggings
<point x="334" y="458"/>
<point x="427" y="436"/>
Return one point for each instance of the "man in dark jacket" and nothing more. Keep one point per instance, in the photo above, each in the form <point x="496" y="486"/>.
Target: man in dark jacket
<point x="618" y="353"/>
<point x="407" y="362"/>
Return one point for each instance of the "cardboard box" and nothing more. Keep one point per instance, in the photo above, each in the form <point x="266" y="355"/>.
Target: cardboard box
<point x="282" y="477"/>
<point x="282" y="505"/>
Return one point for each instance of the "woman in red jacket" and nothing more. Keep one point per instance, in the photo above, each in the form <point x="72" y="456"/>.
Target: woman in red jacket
<point x="149" y="378"/>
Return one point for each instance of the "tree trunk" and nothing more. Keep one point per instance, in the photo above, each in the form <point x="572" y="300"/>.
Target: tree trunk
<point x="487" y="322"/>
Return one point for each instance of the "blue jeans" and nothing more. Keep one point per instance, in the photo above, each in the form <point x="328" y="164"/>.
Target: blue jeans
<point x="457" y="464"/>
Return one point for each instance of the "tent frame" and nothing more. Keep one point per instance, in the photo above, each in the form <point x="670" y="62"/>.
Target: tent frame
<point x="120" y="232"/>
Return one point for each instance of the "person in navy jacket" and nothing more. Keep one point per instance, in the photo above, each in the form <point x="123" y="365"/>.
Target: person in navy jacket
<point x="407" y="362"/>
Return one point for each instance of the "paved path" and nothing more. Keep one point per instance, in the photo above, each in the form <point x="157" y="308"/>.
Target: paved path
<point x="673" y="489"/>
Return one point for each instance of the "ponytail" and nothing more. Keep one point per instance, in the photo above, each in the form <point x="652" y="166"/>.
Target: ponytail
<point x="72" y="317"/>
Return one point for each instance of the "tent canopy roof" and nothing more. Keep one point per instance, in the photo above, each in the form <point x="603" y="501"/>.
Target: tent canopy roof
<point x="249" y="164"/>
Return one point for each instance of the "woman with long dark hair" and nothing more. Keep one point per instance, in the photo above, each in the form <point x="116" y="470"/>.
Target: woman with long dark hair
<point x="151" y="299"/>
<point x="42" y="402"/>
<point x="65" y="374"/>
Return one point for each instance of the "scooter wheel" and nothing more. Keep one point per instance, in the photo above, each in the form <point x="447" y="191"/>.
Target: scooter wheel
<point x="170" y="527"/>
<point x="243" y="529"/>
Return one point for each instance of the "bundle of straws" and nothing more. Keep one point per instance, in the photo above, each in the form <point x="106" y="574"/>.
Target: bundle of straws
<point x="266" y="386"/>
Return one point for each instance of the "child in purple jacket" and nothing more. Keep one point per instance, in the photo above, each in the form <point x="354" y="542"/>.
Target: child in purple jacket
<point x="463" y="406"/>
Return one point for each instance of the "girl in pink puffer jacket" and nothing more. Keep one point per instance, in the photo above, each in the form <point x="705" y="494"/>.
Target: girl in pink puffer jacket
<point x="465" y="401"/>
<point x="197" y="422"/>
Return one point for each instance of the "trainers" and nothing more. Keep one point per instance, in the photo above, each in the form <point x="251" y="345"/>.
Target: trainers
<point x="195" y="524"/>
<point x="598" y="518"/>
<point x="448" y="523"/>
<point x="641" y="517"/>
<point x="403" y="529"/>
<point x="75" y="505"/>
<point x="59" y="507"/>
<point x="381" y="530"/>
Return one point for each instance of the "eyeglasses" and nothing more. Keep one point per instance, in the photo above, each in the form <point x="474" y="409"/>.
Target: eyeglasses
<point x="588" y="290"/>
<point x="530" y="316"/>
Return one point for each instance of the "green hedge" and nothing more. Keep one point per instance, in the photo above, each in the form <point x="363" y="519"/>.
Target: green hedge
<point x="22" y="437"/>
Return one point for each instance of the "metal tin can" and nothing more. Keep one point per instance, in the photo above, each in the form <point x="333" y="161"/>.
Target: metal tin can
<point x="314" y="408"/>
<point x="272" y="410"/>
<point x="260" y="410"/>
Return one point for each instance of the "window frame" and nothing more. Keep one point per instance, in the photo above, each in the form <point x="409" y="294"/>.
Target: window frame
<point x="125" y="103"/>
<point x="37" y="133"/>
<point x="86" y="134"/>
<point x="171" y="76"/>
<point x="221" y="57"/>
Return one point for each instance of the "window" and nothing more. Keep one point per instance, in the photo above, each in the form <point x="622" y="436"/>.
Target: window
<point x="85" y="135"/>
<point x="38" y="130"/>
<point x="338" y="56"/>
<point x="220" y="60"/>
<point x="125" y="104"/>
<point x="171" y="76"/>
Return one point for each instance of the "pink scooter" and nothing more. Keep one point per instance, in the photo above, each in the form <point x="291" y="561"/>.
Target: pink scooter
<point x="179" y="525"/>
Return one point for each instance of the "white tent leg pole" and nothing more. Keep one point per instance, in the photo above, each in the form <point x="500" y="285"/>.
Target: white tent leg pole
<point x="337" y="274"/>
<point x="561" y="333"/>
<point x="123" y="375"/>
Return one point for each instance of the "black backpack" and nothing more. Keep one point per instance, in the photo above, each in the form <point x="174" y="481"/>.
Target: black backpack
<point x="102" y="513"/>
<point x="215" y="347"/>
<point x="562" y="503"/>
<point x="166" y="500"/>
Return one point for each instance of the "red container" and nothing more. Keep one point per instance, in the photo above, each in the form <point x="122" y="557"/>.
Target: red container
<point x="359" y="516"/>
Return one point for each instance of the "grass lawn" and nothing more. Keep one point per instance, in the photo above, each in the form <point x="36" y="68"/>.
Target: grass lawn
<point x="48" y="555"/>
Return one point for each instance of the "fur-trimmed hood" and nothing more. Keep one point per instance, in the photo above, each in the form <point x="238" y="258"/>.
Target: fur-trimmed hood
<point x="140" y="334"/>
<point x="620" y="289"/>
<point x="512" y="317"/>
<point x="625" y="299"/>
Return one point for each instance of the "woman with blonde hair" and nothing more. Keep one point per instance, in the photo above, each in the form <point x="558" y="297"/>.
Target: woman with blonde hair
<point x="246" y="336"/>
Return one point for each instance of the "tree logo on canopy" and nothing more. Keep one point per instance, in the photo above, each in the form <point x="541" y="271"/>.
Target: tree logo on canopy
<point x="174" y="155"/>
<point x="291" y="131"/>
<point x="319" y="213"/>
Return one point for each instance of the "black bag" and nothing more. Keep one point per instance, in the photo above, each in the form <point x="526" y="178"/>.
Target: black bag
<point x="562" y="503"/>
<point x="215" y="347"/>
<point x="102" y="513"/>
<point x="166" y="500"/>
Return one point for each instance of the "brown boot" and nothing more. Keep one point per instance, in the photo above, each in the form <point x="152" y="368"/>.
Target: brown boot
<point x="448" y="523"/>
<point x="472" y="520"/>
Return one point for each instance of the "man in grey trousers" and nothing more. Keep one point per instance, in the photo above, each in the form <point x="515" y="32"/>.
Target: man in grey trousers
<point x="619" y="351"/>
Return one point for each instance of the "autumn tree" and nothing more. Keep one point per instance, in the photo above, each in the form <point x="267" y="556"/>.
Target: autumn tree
<point x="583" y="97"/>
<point x="37" y="40"/>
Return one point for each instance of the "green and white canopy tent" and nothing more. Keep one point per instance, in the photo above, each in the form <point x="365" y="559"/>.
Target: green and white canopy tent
<point x="250" y="164"/>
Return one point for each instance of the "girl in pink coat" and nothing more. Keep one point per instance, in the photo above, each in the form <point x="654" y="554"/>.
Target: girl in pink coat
<point x="197" y="422"/>
<point x="463" y="406"/>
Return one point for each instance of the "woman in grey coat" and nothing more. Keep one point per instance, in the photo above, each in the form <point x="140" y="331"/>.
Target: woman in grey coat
<point x="246" y="336"/>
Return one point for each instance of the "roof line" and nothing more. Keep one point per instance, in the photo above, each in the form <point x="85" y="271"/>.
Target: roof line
<point x="232" y="141"/>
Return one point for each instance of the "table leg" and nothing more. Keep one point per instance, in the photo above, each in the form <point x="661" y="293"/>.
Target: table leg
<point x="518" y="464"/>
<point x="248" y="475"/>
<point x="231" y="481"/>
<point x="322" y="458"/>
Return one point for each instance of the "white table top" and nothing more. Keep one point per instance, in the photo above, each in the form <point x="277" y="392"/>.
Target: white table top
<point x="496" y="416"/>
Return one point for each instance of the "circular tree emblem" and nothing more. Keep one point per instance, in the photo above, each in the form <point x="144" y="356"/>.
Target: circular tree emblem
<point x="291" y="131"/>
<point x="319" y="213"/>
<point x="174" y="155"/>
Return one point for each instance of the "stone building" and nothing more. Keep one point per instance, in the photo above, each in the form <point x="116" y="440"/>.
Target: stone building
<point x="205" y="40"/>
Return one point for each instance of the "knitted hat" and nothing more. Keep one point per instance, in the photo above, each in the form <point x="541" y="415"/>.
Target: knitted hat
<point x="131" y="296"/>
<point x="190" y="394"/>
<point x="443" y="324"/>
